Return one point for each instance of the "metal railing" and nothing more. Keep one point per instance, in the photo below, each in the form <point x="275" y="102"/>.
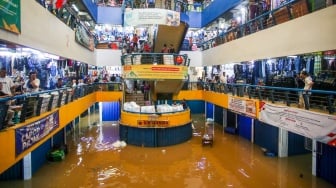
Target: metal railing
<point x="284" y="13"/>
<point x="314" y="99"/>
<point x="155" y="58"/>
<point x="29" y="105"/>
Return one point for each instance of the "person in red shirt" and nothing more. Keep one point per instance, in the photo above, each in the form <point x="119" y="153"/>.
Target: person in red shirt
<point x="135" y="41"/>
<point x="147" y="48"/>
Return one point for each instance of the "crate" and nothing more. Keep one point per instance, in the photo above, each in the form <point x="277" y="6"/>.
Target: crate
<point x="62" y="99"/>
<point x="43" y="104"/>
<point x="168" y="59"/>
<point x="29" y="108"/>
<point x="53" y="103"/>
<point x="299" y="9"/>
<point x="282" y="15"/>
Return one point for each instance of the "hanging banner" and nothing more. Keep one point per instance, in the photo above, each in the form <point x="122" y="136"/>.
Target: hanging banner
<point x="321" y="127"/>
<point x="84" y="37"/>
<point x="27" y="136"/>
<point x="134" y="17"/>
<point x="155" y="72"/>
<point x="10" y="15"/>
<point x="244" y="106"/>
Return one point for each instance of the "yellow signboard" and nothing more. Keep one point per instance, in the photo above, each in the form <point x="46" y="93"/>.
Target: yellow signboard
<point x="155" y="72"/>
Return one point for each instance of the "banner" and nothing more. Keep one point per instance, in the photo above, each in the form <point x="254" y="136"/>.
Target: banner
<point x="133" y="17"/>
<point x="84" y="37"/>
<point x="10" y="15"/>
<point x="155" y="72"/>
<point x="27" y="136"/>
<point x="321" y="127"/>
<point x="244" y="106"/>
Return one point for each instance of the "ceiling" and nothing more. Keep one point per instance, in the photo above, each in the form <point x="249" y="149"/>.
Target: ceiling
<point x="83" y="13"/>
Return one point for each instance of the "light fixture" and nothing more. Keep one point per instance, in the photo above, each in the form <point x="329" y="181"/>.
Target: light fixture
<point x="75" y="7"/>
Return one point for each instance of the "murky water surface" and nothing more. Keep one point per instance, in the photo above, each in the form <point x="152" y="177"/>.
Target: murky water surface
<point x="94" y="161"/>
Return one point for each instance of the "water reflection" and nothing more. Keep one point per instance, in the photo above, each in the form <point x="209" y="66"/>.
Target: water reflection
<point x="94" y="161"/>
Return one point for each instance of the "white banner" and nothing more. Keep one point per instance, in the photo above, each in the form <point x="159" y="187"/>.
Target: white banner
<point x="133" y="17"/>
<point x="243" y="106"/>
<point x="321" y="127"/>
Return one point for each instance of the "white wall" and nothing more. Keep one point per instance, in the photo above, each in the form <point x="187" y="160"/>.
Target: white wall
<point x="311" y="33"/>
<point x="314" y="32"/>
<point x="195" y="58"/>
<point x="43" y="31"/>
<point x="108" y="57"/>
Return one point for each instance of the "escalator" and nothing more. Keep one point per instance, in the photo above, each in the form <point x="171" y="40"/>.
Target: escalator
<point x="165" y="89"/>
<point x="170" y="35"/>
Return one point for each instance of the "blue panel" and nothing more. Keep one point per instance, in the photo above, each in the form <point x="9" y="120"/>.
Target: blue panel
<point x="216" y="9"/>
<point x="266" y="136"/>
<point x="244" y="126"/>
<point x="231" y="119"/>
<point x="184" y="17"/>
<point x="38" y="156"/>
<point x="15" y="172"/>
<point x="219" y="115"/>
<point x="296" y="144"/>
<point x="92" y="7"/>
<point x="326" y="163"/>
<point x="155" y="137"/>
<point x="209" y="110"/>
<point x="110" y="15"/>
<point x="58" y="138"/>
<point x="195" y="19"/>
<point x="110" y="111"/>
<point x="196" y="107"/>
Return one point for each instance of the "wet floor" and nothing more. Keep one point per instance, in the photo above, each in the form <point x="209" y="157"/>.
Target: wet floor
<point x="94" y="161"/>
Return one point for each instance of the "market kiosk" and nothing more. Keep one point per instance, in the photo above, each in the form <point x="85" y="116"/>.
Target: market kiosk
<point x="150" y="121"/>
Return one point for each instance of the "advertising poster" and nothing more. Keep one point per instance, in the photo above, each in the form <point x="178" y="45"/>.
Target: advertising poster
<point x="10" y="15"/>
<point x="321" y="127"/>
<point x="27" y="136"/>
<point x="244" y="106"/>
<point x="155" y="72"/>
<point x="133" y="17"/>
<point x="84" y="37"/>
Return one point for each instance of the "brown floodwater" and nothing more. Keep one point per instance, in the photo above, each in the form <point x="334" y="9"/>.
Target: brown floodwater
<point x="93" y="161"/>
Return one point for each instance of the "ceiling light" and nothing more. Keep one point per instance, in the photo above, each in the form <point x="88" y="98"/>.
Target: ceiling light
<point x="75" y="7"/>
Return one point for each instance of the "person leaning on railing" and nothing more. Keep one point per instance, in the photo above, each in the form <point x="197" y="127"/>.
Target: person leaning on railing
<point x="307" y="87"/>
<point x="10" y="113"/>
<point x="33" y="83"/>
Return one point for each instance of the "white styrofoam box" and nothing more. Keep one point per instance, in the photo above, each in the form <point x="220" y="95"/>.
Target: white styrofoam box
<point x="168" y="59"/>
<point x="148" y="109"/>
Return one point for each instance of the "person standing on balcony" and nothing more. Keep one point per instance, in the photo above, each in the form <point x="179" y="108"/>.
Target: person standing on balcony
<point x="165" y="49"/>
<point x="308" y="84"/>
<point x="135" y="41"/>
<point x="171" y="49"/>
<point x="33" y="83"/>
<point x="7" y="83"/>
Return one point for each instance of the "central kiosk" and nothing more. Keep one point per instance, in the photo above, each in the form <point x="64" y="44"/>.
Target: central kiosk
<point x="150" y="115"/>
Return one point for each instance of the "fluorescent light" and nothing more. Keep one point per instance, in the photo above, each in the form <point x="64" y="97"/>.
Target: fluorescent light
<point x="75" y="7"/>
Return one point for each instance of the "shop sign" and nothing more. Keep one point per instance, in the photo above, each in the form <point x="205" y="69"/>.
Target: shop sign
<point x="318" y="126"/>
<point x="84" y="37"/>
<point x="155" y="72"/>
<point x="10" y="15"/>
<point x="153" y="123"/>
<point x="243" y="106"/>
<point x="150" y="16"/>
<point x="27" y="136"/>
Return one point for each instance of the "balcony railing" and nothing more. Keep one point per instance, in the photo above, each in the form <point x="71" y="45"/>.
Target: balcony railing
<point x="286" y="12"/>
<point x="319" y="100"/>
<point x="155" y="58"/>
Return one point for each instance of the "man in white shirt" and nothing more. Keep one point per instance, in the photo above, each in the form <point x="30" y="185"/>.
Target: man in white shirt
<point x="223" y="81"/>
<point x="7" y="83"/>
<point x="307" y="87"/>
